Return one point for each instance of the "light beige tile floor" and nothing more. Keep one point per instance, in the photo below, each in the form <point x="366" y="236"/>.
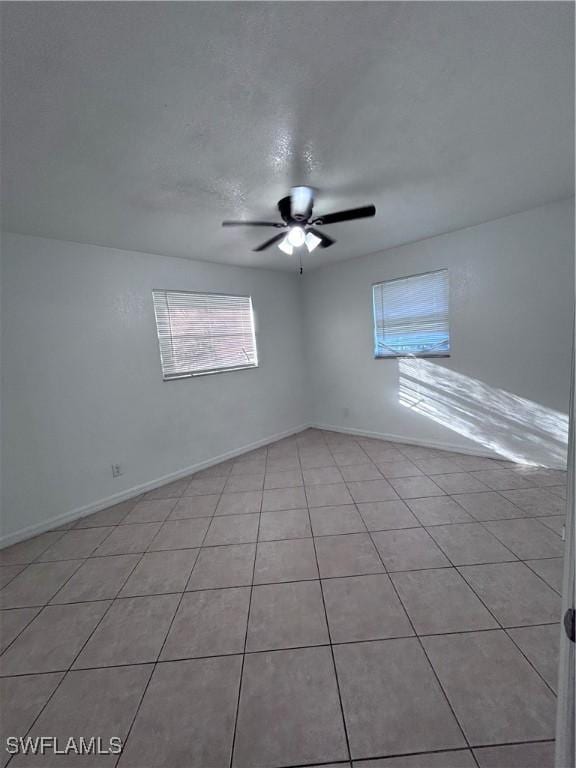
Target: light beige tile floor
<point x="326" y="600"/>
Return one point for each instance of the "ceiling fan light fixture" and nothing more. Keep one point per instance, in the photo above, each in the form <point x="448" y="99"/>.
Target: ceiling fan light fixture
<point x="285" y="246"/>
<point x="311" y="241"/>
<point x="296" y="237"/>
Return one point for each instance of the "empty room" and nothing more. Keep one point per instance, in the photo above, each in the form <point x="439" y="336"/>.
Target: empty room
<point x="286" y="376"/>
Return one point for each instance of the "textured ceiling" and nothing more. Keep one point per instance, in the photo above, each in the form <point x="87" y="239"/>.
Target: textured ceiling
<point x="143" y="125"/>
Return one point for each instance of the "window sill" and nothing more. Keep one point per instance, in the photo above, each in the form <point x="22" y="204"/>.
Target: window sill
<point x="411" y="357"/>
<point x="180" y="376"/>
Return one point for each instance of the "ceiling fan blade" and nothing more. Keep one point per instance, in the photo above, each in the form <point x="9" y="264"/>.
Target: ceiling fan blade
<point x="354" y="213"/>
<point x="284" y="206"/>
<point x="326" y="241"/>
<point x="252" y="224"/>
<point x="268" y="243"/>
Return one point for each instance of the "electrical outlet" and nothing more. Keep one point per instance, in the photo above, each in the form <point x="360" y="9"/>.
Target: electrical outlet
<point x="117" y="470"/>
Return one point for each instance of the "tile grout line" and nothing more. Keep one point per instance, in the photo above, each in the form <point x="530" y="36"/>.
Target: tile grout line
<point x="242" y="663"/>
<point x="42" y="606"/>
<point x="490" y="612"/>
<point x="69" y="669"/>
<point x="96" y="556"/>
<point x="277" y="650"/>
<point x="496" y="619"/>
<point x="22" y="567"/>
<point x="502" y="628"/>
<point x="266" y="541"/>
<point x="417" y="636"/>
<point x="264" y="583"/>
<point x="542" y="579"/>
<point x="457" y="721"/>
<point x="119" y="597"/>
<point x="38" y="612"/>
<point x="483" y="524"/>
<point x="155" y="663"/>
<point x="46" y="604"/>
<point x="334" y="667"/>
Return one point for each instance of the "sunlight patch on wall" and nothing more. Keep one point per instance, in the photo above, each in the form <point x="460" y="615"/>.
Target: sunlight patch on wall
<point x="513" y="427"/>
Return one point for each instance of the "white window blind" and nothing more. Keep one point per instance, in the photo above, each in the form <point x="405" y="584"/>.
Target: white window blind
<point x="411" y="316"/>
<point x="203" y="333"/>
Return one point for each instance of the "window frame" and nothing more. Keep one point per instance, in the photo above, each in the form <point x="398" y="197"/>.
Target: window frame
<point x="400" y="355"/>
<point x="211" y="371"/>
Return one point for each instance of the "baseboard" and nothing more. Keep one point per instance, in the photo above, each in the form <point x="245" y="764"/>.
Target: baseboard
<point x="441" y="445"/>
<point x="96" y="506"/>
<point x="88" y="509"/>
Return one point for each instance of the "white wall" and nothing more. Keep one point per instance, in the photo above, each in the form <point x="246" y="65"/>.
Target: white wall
<point x="82" y="384"/>
<point x="505" y="386"/>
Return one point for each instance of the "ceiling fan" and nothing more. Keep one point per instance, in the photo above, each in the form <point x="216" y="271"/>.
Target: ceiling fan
<point x="298" y="223"/>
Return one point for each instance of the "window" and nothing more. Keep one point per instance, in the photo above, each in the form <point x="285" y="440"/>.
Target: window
<point x="411" y="316"/>
<point x="203" y="333"/>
